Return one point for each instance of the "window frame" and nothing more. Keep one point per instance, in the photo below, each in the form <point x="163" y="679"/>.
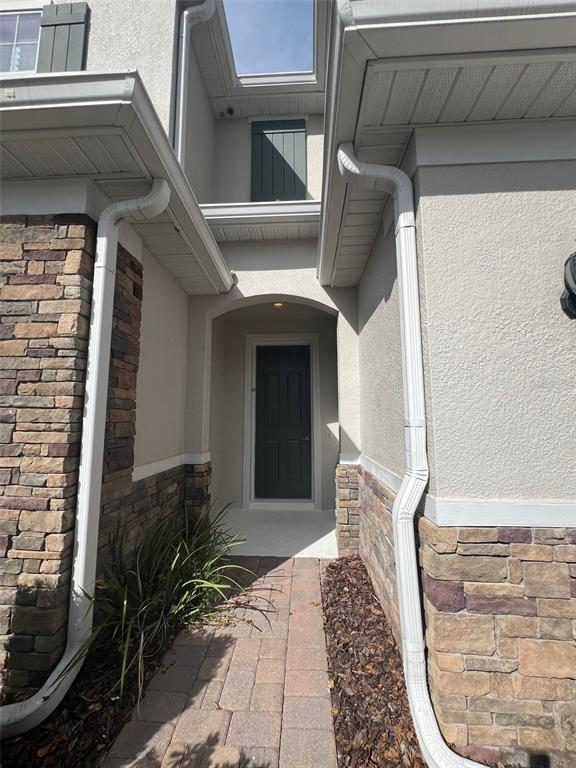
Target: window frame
<point x="19" y="13"/>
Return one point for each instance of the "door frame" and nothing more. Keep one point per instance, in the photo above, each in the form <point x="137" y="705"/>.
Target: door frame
<point x="253" y="341"/>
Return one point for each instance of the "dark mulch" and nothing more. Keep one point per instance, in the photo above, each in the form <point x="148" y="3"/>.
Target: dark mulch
<point x="84" y="726"/>
<point x="371" y="714"/>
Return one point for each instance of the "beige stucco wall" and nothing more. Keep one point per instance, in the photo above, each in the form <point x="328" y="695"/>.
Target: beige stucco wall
<point x="380" y="357"/>
<point x="500" y="355"/>
<point x="162" y="374"/>
<point x="314" y="155"/>
<point x="199" y="156"/>
<point x="232" y="159"/>
<point x="136" y="34"/>
<point x="227" y="431"/>
<point x="266" y="271"/>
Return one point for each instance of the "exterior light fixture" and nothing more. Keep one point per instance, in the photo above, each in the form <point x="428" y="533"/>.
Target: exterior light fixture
<point x="568" y="298"/>
<point x="278" y="305"/>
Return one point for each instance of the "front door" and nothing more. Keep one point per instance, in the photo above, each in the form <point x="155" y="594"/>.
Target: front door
<point x="283" y="423"/>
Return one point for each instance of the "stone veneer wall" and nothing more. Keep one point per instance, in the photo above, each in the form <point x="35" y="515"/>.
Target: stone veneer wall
<point x="377" y="544"/>
<point x="500" y="606"/>
<point x="501" y="629"/>
<point x="46" y="266"/>
<point x="347" y="509"/>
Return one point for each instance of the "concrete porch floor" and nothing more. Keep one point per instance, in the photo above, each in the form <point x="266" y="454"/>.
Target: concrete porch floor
<point x="287" y="533"/>
<point x="243" y="696"/>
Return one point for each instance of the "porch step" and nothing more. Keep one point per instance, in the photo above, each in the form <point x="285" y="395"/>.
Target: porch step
<point x="284" y="533"/>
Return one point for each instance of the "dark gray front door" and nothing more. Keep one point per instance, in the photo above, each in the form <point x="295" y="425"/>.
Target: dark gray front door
<point x="283" y="423"/>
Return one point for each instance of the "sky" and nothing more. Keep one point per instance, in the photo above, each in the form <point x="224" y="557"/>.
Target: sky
<point x="270" y="36"/>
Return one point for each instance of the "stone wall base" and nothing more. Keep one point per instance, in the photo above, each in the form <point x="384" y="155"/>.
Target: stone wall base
<point x="377" y="544"/>
<point x="500" y="609"/>
<point x="347" y="509"/>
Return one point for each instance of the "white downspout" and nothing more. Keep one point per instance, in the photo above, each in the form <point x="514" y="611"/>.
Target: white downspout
<point x="22" y="716"/>
<point x="398" y="184"/>
<point x="196" y="14"/>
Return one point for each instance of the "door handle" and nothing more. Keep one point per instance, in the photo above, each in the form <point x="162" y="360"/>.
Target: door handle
<point x="306" y="439"/>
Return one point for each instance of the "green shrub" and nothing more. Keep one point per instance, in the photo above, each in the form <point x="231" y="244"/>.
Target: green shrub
<point x="175" y="577"/>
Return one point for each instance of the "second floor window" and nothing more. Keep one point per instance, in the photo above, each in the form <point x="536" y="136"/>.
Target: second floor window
<point x="19" y="33"/>
<point x="278" y="160"/>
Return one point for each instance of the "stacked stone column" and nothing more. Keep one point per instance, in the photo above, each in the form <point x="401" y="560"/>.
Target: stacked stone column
<point x="46" y="268"/>
<point x="45" y="291"/>
<point x="347" y="509"/>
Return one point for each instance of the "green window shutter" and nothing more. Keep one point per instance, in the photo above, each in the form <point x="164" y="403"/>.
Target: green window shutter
<point x="278" y="160"/>
<point x="62" y="46"/>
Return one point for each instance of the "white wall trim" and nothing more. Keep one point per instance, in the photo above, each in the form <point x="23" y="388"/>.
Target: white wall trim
<point x="155" y="467"/>
<point x="482" y="143"/>
<point x="508" y="512"/>
<point x="253" y="341"/>
<point x="522" y="513"/>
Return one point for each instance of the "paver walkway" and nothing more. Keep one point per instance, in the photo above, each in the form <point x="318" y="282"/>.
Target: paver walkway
<point x="243" y="696"/>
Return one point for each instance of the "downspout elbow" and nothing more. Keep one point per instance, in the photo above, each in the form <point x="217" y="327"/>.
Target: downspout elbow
<point x="386" y="178"/>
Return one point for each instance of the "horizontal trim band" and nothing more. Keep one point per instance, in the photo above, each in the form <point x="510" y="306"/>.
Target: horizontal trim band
<point x="155" y="467"/>
<point x="479" y="513"/>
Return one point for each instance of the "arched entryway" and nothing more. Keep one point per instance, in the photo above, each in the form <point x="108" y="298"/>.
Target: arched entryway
<point x="274" y="431"/>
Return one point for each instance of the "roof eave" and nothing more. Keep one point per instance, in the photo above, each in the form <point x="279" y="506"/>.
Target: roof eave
<point x="76" y="100"/>
<point x="361" y="33"/>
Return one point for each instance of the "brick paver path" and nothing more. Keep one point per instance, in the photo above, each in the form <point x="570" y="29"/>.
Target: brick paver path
<point x="243" y="696"/>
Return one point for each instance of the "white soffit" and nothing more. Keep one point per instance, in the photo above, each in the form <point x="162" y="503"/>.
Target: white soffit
<point x="263" y="96"/>
<point x="103" y="128"/>
<point x="237" y="222"/>
<point x="401" y="95"/>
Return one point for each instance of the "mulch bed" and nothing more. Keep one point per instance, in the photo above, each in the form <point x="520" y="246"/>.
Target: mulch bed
<point x="86" y="723"/>
<point x="371" y="714"/>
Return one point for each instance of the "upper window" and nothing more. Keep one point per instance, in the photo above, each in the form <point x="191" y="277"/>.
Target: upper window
<point x="278" y="160"/>
<point x="19" y="34"/>
<point x="271" y="37"/>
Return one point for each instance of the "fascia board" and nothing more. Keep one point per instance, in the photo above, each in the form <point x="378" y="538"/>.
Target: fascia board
<point x="263" y="213"/>
<point x="341" y="127"/>
<point x="406" y="11"/>
<point x="478" y="35"/>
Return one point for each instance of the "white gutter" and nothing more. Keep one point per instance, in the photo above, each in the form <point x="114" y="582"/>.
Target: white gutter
<point x="196" y="14"/>
<point x="398" y="184"/>
<point x="22" y="716"/>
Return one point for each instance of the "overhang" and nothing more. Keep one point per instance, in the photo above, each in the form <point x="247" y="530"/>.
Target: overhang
<point x="397" y="68"/>
<point x="236" y="222"/>
<point x="258" y="95"/>
<point x="103" y="128"/>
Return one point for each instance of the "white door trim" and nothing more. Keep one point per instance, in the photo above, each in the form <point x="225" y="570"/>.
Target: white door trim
<point x="253" y="341"/>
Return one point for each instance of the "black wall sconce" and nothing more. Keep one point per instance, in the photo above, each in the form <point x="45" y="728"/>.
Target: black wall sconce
<point x="568" y="298"/>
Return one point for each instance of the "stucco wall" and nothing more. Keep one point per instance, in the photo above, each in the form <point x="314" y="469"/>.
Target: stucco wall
<point x="199" y="151"/>
<point x="232" y="159"/>
<point x="266" y="271"/>
<point x="499" y="353"/>
<point x="228" y="393"/>
<point x="162" y="374"/>
<point x="136" y="34"/>
<point x="380" y="358"/>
